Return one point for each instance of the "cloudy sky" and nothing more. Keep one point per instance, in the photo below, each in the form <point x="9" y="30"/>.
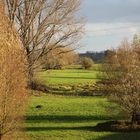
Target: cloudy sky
<point x="108" y="22"/>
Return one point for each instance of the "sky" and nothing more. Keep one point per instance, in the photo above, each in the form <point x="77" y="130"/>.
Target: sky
<point x="108" y="22"/>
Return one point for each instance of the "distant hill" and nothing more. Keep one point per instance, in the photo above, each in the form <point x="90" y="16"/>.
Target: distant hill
<point x="97" y="57"/>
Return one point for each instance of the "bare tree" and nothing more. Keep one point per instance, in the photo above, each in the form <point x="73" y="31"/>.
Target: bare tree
<point x="41" y="23"/>
<point x="121" y="78"/>
<point x="12" y="79"/>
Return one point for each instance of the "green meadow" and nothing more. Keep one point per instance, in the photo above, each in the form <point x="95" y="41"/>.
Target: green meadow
<point x="67" y="77"/>
<point x="61" y="117"/>
<point x="72" y="118"/>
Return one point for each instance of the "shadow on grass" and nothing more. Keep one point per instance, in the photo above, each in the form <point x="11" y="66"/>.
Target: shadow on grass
<point x="84" y="128"/>
<point x="120" y="136"/>
<point x="67" y="118"/>
<point x="87" y="128"/>
<point x="113" y="136"/>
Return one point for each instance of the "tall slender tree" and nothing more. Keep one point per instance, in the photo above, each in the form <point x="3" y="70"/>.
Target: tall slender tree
<point x="12" y="79"/>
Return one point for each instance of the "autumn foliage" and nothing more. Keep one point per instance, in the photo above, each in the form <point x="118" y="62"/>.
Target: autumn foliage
<point x="121" y="78"/>
<point x="59" y="58"/>
<point x="12" y="80"/>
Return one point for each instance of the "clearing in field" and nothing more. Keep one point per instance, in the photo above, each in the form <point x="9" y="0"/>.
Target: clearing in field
<point x="68" y="81"/>
<point x="67" y="77"/>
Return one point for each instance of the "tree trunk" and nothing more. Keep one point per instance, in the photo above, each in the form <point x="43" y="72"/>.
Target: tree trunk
<point x="30" y="71"/>
<point x="30" y="78"/>
<point x="135" y="118"/>
<point x="1" y="136"/>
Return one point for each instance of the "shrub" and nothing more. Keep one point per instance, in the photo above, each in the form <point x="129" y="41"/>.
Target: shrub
<point x="86" y="62"/>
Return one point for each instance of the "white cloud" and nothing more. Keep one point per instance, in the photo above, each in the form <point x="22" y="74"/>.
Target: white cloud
<point x="133" y="30"/>
<point x="110" y="29"/>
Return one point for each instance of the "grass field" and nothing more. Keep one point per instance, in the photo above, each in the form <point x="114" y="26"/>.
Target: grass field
<point x="72" y="118"/>
<point x="67" y="77"/>
<point x="69" y="81"/>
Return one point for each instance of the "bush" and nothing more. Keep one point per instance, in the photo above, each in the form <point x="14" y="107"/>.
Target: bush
<point x="86" y="62"/>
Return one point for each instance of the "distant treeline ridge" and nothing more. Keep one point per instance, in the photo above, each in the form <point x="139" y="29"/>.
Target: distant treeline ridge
<point x="97" y="57"/>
